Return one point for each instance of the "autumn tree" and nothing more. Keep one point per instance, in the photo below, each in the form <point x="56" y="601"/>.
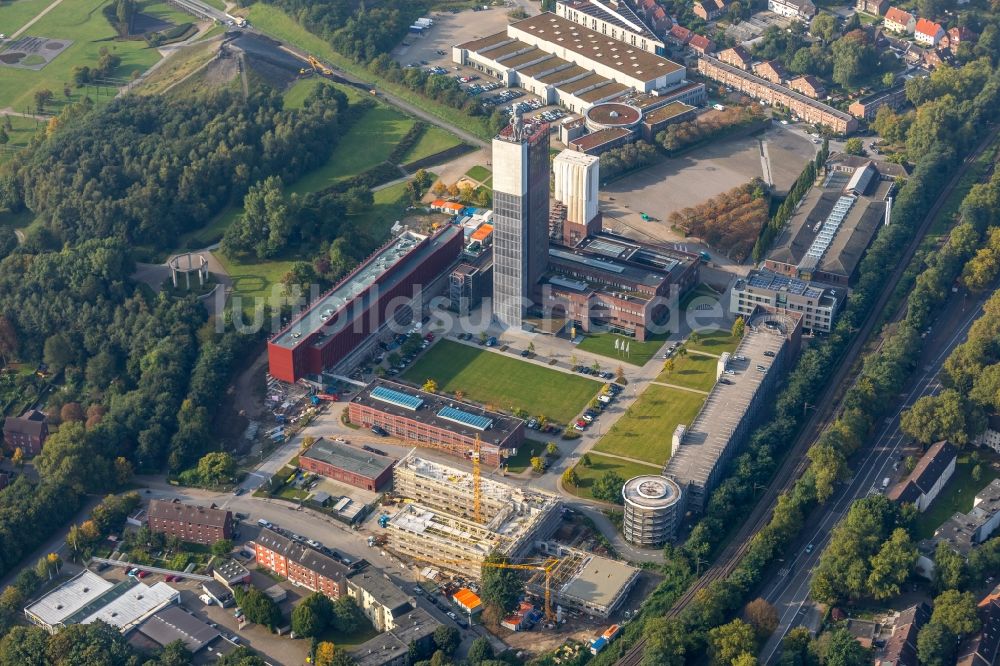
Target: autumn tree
<point x="762" y="616"/>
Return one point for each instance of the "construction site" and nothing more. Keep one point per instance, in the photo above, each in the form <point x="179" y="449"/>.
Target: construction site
<point x="454" y="519"/>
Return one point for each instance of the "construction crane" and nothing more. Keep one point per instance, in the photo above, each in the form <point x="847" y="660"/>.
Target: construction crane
<point x="319" y="67"/>
<point x="477" y="488"/>
<point x="546" y="566"/>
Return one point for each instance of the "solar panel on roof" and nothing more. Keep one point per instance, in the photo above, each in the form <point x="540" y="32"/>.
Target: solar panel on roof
<point x="466" y="418"/>
<point x="397" y="398"/>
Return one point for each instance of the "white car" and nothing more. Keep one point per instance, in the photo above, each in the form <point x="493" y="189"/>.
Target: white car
<point x="730" y="372"/>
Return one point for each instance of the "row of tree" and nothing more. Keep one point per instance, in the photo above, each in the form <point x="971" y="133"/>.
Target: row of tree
<point x="731" y="221"/>
<point x="629" y="157"/>
<point x="683" y="135"/>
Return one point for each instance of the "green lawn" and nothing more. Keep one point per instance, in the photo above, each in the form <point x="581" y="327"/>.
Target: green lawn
<point x="254" y="279"/>
<point x="218" y="4"/>
<point x="281" y="26"/>
<point x="522" y="461"/>
<point x="296" y="94"/>
<point x="390" y="205"/>
<point x="601" y="465"/>
<point x="166" y="12"/>
<point x="479" y="173"/>
<point x="645" y="430"/>
<point x="639" y="353"/>
<point x="365" y="632"/>
<point x="956" y="496"/>
<point x="366" y="144"/>
<point x="22" y="129"/>
<point x="433" y="141"/>
<point x="83" y="23"/>
<point x="693" y="371"/>
<point x="16" y="14"/>
<point x="713" y="342"/>
<point x="503" y="382"/>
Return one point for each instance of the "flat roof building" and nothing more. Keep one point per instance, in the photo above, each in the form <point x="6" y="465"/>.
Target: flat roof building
<point x="337" y="325"/>
<point x="348" y="464"/>
<point x="379" y="598"/>
<point x="654" y="507"/>
<point x="577" y="184"/>
<point x="173" y="623"/>
<point x="834" y="225"/>
<point x="582" y="580"/>
<point x="615" y="18"/>
<point x="439" y="525"/>
<point x="818" y="304"/>
<point x="702" y="449"/>
<point x="392" y="648"/>
<point x="435" y="421"/>
<point x="964" y="531"/>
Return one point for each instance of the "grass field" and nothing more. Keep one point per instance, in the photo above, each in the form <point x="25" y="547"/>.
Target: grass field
<point x="433" y="141"/>
<point x="16" y="14"/>
<point x="956" y="496"/>
<point x="644" y="431"/>
<point x="366" y="144"/>
<point x="182" y="64"/>
<point x="479" y="173"/>
<point x="166" y="12"/>
<point x="601" y="465"/>
<point x="639" y="353"/>
<point x="389" y="206"/>
<point x="279" y="25"/>
<point x="83" y="23"/>
<point x="712" y="342"/>
<point x="522" y="461"/>
<point x="22" y="129"/>
<point x="503" y="382"/>
<point x="693" y="371"/>
<point x="296" y="94"/>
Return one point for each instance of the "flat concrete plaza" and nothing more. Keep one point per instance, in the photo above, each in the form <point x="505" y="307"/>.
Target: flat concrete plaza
<point x="33" y="52"/>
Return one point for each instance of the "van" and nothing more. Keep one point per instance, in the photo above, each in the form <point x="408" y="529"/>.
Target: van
<point x="885" y="483"/>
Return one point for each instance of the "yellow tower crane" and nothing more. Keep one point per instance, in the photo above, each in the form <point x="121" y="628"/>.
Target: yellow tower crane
<point x="477" y="488"/>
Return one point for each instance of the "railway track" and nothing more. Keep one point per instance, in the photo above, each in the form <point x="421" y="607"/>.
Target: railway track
<point x="795" y="462"/>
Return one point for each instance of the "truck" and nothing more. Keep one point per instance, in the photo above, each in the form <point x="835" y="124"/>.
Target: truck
<point x="598" y="644"/>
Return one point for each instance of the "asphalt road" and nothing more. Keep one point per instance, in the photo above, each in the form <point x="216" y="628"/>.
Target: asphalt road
<point x="789" y="593"/>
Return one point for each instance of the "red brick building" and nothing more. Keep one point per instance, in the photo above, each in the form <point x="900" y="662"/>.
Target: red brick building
<point x="338" y="324"/>
<point x="188" y="522"/>
<point x="300" y="564"/>
<point x="436" y="422"/>
<point x="26" y="432"/>
<point x="341" y="462"/>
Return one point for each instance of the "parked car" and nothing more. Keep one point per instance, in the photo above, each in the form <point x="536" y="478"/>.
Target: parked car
<point x="525" y="353"/>
<point x="381" y="432"/>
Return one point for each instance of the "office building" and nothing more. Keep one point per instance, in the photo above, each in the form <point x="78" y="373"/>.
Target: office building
<point x="577" y="183"/>
<point x="437" y="422"/>
<point x="345" y="323"/>
<point x="190" y="523"/>
<point x="348" y="464"/>
<point x="702" y="449"/>
<point x="520" y="217"/>
<point x="615" y="18"/>
<point x="817" y="304"/>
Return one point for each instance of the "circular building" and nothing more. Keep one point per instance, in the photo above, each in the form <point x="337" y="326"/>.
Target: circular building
<point x="652" y="510"/>
<point x="612" y="115"/>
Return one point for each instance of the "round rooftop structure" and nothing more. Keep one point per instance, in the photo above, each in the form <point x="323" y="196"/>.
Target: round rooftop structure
<point x="652" y="510"/>
<point x="612" y="114"/>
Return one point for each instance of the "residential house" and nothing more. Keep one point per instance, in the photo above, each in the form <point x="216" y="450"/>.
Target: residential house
<point x="736" y="57"/>
<point x="189" y="522"/>
<point x="803" y="10"/>
<point x="709" y="10"/>
<point x="901" y="647"/>
<point x="958" y="36"/>
<point x="379" y="598"/>
<point x="701" y="44"/>
<point x="983" y="648"/>
<point x="927" y="479"/>
<point x="300" y="564"/>
<point x="808" y="85"/>
<point x="866" y="107"/>
<point x="896" y="20"/>
<point x="876" y="7"/>
<point x="928" y="32"/>
<point x="770" y="70"/>
<point x="26" y="432"/>
<point x="965" y="531"/>
<point x="991" y="436"/>
<point x="679" y="35"/>
<point x="659" y="20"/>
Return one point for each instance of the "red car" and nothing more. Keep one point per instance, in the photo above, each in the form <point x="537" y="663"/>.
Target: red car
<point x="429" y="337"/>
<point x="581" y="423"/>
<point x="142" y="574"/>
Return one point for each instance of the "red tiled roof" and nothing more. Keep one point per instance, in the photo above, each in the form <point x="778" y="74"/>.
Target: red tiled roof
<point x="680" y="33"/>
<point x="897" y="15"/>
<point x="928" y="27"/>
<point x="701" y="42"/>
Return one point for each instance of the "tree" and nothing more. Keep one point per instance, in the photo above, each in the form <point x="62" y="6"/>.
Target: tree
<point x="854" y="146"/>
<point x="609" y="487"/>
<point x="949" y="568"/>
<point x="259" y="608"/>
<point x="892" y="566"/>
<point x="123" y="471"/>
<point x="42" y="97"/>
<point x="222" y="547"/>
<point x="480" y="650"/>
<point x="439" y="189"/>
<point x="852" y="57"/>
<point x="216" y="467"/>
<point x="430" y="386"/>
<point x="669" y="366"/>
<point x="570" y="477"/>
<point x="841" y="649"/>
<point x="956" y="611"/>
<point x="935" y="645"/>
<point x="947" y="415"/>
<point x="325" y="653"/>
<point x="446" y="638"/>
<point x="739" y="328"/>
<point x="18" y="457"/>
<point x="667" y="642"/>
<point x="551" y="448"/>
<point x="824" y="26"/>
<point x="762" y="616"/>
<point x="500" y="588"/>
<point x="585" y="460"/>
<point x="59" y="352"/>
<point x="537" y="464"/>
<point x="729" y="641"/>
<point x="4" y="137"/>
<point x="312" y="616"/>
<point x="346" y="616"/>
<point x="977" y="473"/>
<point x="620" y="375"/>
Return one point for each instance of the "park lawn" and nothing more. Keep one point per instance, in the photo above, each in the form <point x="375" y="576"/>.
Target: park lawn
<point x="281" y="26"/>
<point x="19" y="12"/>
<point x="713" y="341"/>
<point x="254" y="279"/>
<point x="295" y="95"/>
<point x="479" y="173"/>
<point x="503" y="382"/>
<point x="367" y="143"/>
<point x="22" y="129"/>
<point x="695" y="371"/>
<point x="522" y="461"/>
<point x="433" y="141"/>
<point x="83" y="23"/>
<point x="644" y="432"/>
<point x="639" y="353"/>
<point x="166" y="12"/>
<point x="601" y="465"/>
<point x="955" y="497"/>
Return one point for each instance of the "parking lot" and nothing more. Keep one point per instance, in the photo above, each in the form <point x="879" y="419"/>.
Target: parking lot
<point x="434" y="46"/>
